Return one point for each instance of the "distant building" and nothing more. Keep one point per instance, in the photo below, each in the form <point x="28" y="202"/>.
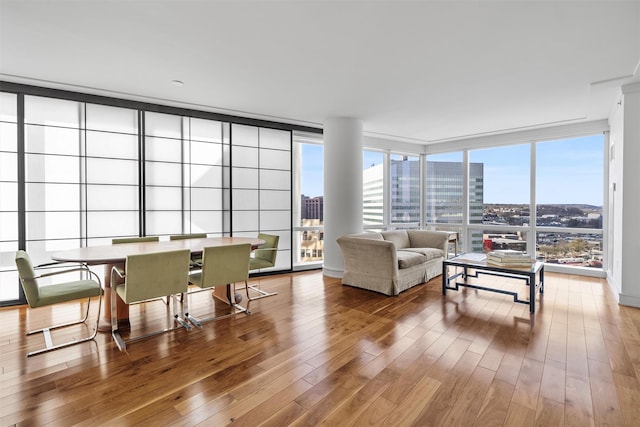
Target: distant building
<point x="312" y="207"/>
<point x="444" y="196"/>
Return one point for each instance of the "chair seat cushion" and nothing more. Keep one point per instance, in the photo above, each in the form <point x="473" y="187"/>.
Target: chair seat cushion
<point x="68" y="291"/>
<point x="408" y="259"/>
<point x="430" y="253"/>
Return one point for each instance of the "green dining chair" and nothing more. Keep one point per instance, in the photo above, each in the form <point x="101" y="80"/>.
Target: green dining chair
<point x="264" y="257"/>
<point x="222" y="266"/>
<point x="196" y="260"/>
<point x="123" y="240"/>
<point x="40" y="296"/>
<point x="146" y="277"/>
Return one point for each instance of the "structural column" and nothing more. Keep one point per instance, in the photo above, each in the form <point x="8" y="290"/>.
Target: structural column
<point x="342" y="187"/>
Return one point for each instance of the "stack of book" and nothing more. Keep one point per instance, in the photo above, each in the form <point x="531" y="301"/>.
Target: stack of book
<point x="509" y="258"/>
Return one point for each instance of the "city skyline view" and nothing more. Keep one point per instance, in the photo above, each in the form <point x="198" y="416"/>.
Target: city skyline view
<point x="569" y="171"/>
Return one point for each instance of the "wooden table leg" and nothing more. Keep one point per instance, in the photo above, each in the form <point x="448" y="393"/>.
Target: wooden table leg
<point x="122" y="308"/>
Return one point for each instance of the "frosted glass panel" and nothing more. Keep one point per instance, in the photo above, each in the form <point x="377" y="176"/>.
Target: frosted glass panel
<point x="244" y="178"/>
<point x="9" y="290"/>
<point x="105" y="224"/>
<point x="285" y="239"/>
<point x="52" y="197"/>
<point x="204" y="199"/>
<point x="112" y="119"/>
<point x="206" y="153"/>
<point x="206" y="176"/>
<point x="8" y="167"/>
<point x="8" y="137"/>
<point x="244" y="156"/>
<point x="164" y="198"/>
<point x="52" y="225"/>
<point x="274" y="200"/>
<point x="283" y="260"/>
<point x="164" y="174"/>
<point x="273" y="138"/>
<point x="52" y="112"/>
<point x="8" y="226"/>
<point x="162" y="222"/>
<point x="112" y="171"/>
<point x="244" y="135"/>
<point x="275" y="220"/>
<point x="8" y="107"/>
<point x="163" y="149"/>
<point x="112" y="197"/>
<point x="245" y="199"/>
<point x="50" y="140"/>
<point x="245" y="221"/>
<point x="206" y="130"/>
<point x="114" y="145"/>
<point x="209" y="222"/>
<point x="8" y="196"/>
<point x="274" y="159"/>
<point x="164" y="125"/>
<point x="275" y="180"/>
<point x="52" y="168"/>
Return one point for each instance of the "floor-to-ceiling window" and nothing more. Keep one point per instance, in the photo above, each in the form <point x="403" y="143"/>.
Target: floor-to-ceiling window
<point x="309" y="183"/>
<point x="444" y="192"/>
<point x="9" y="290"/>
<point x="78" y="170"/>
<point x="561" y="222"/>
<point x="404" y="171"/>
<point x="261" y="186"/>
<point x="186" y="175"/>
<point x="503" y="192"/>
<point x="569" y="201"/>
<point x="373" y="189"/>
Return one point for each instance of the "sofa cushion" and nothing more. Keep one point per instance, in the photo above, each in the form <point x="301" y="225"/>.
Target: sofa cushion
<point x="374" y="235"/>
<point x="400" y="238"/>
<point x="408" y="259"/>
<point x="430" y="253"/>
<point x="427" y="238"/>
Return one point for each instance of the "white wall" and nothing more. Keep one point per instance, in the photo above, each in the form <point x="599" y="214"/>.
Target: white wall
<point x="624" y="194"/>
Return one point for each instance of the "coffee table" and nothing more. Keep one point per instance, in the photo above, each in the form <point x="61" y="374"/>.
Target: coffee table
<point x="478" y="263"/>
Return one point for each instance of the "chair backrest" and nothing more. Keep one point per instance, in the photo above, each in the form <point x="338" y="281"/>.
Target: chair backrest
<point x="188" y="236"/>
<point x="27" y="278"/>
<point x="135" y="239"/>
<point x="222" y="265"/>
<point x="268" y="251"/>
<point x="155" y="274"/>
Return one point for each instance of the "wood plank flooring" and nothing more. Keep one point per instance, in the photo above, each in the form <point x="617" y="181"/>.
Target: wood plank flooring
<point x="320" y="353"/>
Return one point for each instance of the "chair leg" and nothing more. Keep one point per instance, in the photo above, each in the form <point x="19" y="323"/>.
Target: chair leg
<point x="261" y="293"/>
<point x="114" y="322"/>
<point x="179" y="320"/>
<point x="185" y="309"/>
<point x="48" y="340"/>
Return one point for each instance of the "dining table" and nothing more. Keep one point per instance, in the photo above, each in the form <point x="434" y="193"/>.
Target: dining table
<point x="116" y="255"/>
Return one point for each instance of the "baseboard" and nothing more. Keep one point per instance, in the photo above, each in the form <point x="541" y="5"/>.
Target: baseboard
<point x="630" y="300"/>
<point x="329" y="272"/>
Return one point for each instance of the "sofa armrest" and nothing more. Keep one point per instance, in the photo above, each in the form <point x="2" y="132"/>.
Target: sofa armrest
<point x="369" y="256"/>
<point x="429" y="239"/>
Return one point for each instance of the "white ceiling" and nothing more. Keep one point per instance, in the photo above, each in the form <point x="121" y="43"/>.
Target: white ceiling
<point x="417" y="71"/>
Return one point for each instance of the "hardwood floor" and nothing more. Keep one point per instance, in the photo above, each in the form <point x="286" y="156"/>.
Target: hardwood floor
<point x="320" y="353"/>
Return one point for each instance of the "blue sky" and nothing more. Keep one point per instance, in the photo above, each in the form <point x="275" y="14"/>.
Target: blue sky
<point x="568" y="171"/>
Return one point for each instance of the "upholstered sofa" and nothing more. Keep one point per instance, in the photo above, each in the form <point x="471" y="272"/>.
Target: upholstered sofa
<point x="392" y="261"/>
